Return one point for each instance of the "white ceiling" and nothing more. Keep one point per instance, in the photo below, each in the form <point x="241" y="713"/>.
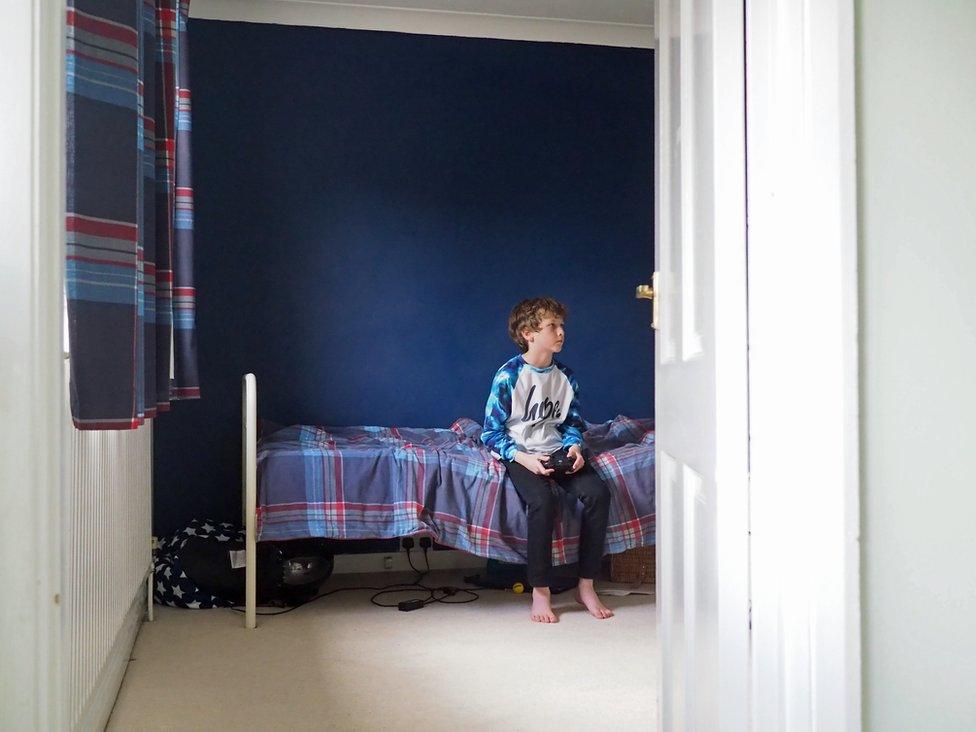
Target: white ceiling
<point x="628" y="23"/>
<point x="631" y="12"/>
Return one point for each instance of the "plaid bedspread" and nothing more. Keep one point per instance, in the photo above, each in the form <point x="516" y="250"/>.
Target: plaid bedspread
<point x="383" y="482"/>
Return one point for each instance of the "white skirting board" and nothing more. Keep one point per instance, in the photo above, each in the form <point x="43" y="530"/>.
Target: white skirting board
<point x="98" y="709"/>
<point x="443" y="559"/>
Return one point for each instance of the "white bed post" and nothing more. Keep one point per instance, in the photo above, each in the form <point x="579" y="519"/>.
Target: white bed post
<point x="249" y="471"/>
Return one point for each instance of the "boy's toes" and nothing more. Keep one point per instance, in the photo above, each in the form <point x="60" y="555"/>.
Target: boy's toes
<point x="545" y="617"/>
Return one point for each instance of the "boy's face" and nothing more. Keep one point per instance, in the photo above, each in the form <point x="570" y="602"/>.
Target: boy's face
<point x="550" y="336"/>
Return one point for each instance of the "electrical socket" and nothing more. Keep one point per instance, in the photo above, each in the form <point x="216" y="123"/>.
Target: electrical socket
<point x="425" y="542"/>
<point x="387" y="562"/>
<point x="407" y="542"/>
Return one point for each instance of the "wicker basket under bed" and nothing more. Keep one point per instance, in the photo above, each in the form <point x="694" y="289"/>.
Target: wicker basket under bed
<point x="633" y="566"/>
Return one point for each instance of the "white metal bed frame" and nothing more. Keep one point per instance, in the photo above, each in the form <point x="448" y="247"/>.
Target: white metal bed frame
<point x="249" y="472"/>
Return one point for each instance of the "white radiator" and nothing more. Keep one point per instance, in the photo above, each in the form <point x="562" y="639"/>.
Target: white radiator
<point x="108" y="522"/>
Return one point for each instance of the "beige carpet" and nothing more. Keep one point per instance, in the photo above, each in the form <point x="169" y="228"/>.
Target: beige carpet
<point x="344" y="664"/>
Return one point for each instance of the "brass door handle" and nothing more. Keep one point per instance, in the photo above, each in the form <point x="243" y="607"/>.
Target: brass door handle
<point x="650" y="292"/>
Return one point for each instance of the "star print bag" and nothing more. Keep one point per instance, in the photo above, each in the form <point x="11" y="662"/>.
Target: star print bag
<point x="183" y="550"/>
<point x="202" y="566"/>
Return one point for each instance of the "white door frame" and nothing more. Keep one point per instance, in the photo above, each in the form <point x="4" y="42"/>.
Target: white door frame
<point x="701" y="360"/>
<point x="32" y="403"/>
<point x="802" y="260"/>
<point x="803" y="583"/>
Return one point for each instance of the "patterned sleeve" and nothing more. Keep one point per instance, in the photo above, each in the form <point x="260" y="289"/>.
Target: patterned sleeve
<point x="497" y="411"/>
<point x="573" y="426"/>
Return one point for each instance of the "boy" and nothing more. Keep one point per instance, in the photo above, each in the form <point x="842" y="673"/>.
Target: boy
<point x="532" y="412"/>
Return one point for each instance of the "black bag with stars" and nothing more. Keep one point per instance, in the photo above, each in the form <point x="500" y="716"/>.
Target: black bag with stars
<point x="202" y="566"/>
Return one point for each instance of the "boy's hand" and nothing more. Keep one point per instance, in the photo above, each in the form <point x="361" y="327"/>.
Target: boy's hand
<point x="533" y="463"/>
<point x="577" y="455"/>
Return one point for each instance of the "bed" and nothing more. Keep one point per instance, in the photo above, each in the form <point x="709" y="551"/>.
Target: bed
<point x="383" y="482"/>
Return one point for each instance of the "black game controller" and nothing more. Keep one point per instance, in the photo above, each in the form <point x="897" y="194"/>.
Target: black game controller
<point x="559" y="462"/>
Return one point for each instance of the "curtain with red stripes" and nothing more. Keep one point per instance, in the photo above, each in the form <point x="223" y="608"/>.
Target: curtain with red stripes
<point x="131" y="301"/>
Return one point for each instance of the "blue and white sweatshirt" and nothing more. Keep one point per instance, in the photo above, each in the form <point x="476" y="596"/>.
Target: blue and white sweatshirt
<point x="532" y="409"/>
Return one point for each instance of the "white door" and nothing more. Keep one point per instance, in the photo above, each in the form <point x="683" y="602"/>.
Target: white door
<point x="701" y="366"/>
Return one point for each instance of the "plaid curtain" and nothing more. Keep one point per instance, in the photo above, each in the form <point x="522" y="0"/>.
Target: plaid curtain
<point x="129" y="280"/>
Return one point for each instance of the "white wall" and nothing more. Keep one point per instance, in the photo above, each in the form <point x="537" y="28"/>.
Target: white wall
<point x="31" y="407"/>
<point x="73" y="549"/>
<point x="916" y="94"/>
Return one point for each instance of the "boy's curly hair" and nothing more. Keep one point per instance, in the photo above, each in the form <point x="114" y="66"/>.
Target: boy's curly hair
<point x="529" y="314"/>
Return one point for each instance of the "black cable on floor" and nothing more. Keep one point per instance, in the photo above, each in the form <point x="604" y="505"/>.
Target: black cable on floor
<point x="434" y="594"/>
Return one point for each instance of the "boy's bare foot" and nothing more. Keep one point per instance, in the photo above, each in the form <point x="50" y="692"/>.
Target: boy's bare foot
<point x="586" y="595"/>
<point x="541" y="607"/>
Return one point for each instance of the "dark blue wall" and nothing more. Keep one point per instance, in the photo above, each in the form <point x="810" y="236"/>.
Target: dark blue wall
<point x="369" y="206"/>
